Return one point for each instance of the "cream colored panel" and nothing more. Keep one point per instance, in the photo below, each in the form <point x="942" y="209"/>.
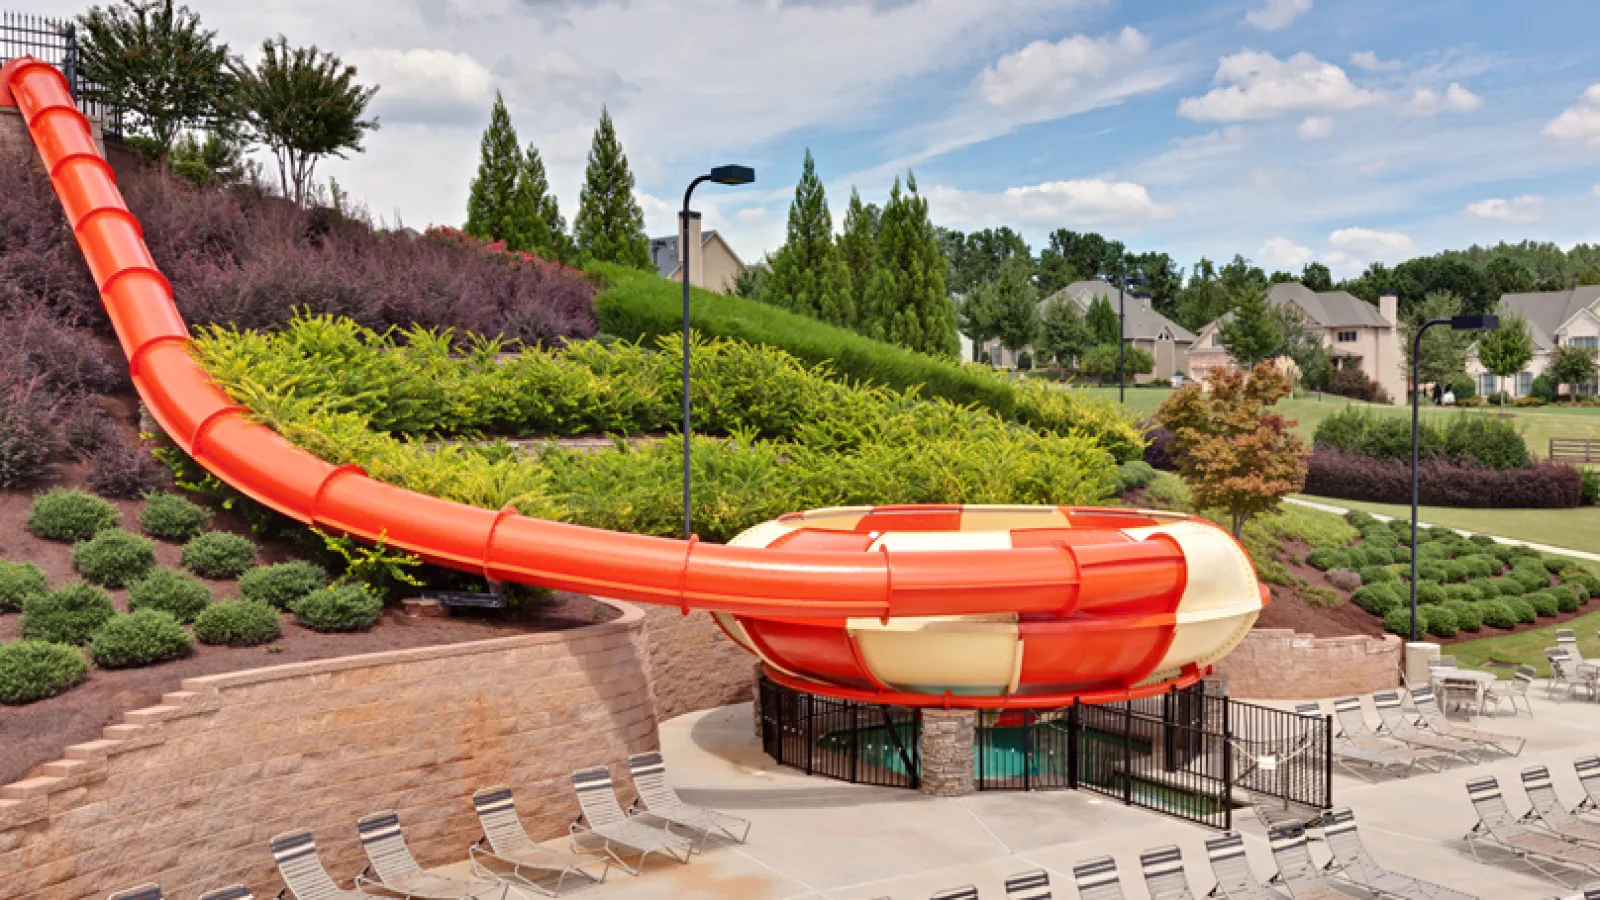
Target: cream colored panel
<point x="833" y="518"/>
<point x="742" y="638"/>
<point x="935" y="660"/>
<point x="1220" y="577"/>
<point x="942" y="541"/>
<point x="1205" y="642"/>
<point x="1005" y="518"/>
<point x="762" y="535"/>
<point x="1005" y="623"/>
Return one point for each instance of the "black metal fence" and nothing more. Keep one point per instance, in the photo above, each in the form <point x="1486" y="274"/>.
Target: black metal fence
<point x="1184" y="753"/>
<point x="56" y="42"/>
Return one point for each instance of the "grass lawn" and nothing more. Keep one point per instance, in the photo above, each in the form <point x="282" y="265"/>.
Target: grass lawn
<point x="1527" y="647"/>
<point x="1576" y="529"/>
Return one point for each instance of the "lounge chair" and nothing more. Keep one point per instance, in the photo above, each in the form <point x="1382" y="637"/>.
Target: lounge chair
<point x="1354" y="729"/>
<point x="397" y="871"/>
<point x="1097" y="879"/>
<point x="1033" y="885"/>
<point x="1235" y="881"/>
<point x="1301" y="877"/>
<point x="301" y="868"/>
<point x="1511" y="691"/>
<point x="1398" y="725"/>
<point x="662" y="802"/>
<point x="1433" y="719"/>
<point x="1547" y="808"/>
<point x="1588" y="769"/>
<point x="1497" y="827"/>
<point x="1564" y="669"/>
<point x="604" y="820"/>
<point x="965" y="892"/>
<point x="1164" y="877"/>
<point x="509" y="845"/>
<point x="231" y="892"/>
<point x="1351" y="860"/>
<point x="141" y="892"/>
<point x="1592" y="892"/>
<point x="1355" y="759"/>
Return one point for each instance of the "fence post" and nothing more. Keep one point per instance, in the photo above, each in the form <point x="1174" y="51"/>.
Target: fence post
<point x="916" y="748"/>
<point x="1227" y="764"/>
<point x="69" y="64"/>
<point x="810" y="713"/>
<point x="1072" y="746"/>
<point x="1327" y="762"/>
<point x="855" y="746"/>
<point x="1127" y="753"/>
<point x="1030" y="721"/>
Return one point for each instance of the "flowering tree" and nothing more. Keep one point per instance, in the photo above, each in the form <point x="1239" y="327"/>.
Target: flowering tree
<point x="1234" y="452"/>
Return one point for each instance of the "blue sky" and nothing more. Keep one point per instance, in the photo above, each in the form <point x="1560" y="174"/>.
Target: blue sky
<point x="1282" y="129"/>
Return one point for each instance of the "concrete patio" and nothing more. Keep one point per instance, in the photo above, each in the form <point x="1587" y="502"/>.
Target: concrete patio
<point x="816" y="838"/>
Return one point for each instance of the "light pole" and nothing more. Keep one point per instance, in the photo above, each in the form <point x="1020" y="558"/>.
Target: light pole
<point x="720" y="175"/>
<point x="1122" y="331"/>
<point x="1456" y="323"/>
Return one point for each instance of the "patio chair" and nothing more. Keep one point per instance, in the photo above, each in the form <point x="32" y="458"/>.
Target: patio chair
<point x="1398" y="725"/>
<point x="1498" y="828"/>
<point x="1587" y="669"/>
<point x="231" y="892"/>
<point x="1355" y="864"/>
<point x="1235" y="881"/>
<point x="1353" y="727"/>
<point x="1296" y="872"/>
<point x="1273" y="810"/>
<point x="509" y="845"/>
<point x="1164" y="877"/>
<point x="1435" y="721"/>
<point x="1588" y="769"/>
<point x="1511" y="691"/>
<point x="1547" y="808"/>
<point x="1460" y="694"/>
<point x="965" y="892"/>
<point x="1034" y="885"/>
<point x="1565" y="670"/>
<point x="141" y="892"/>
<point x="295" y="853"/>
<point x="1097" y="879"/>
<point x="604" y="820"/>
<point x="662" y="802"/>
<point x="397" y="871"/>
<point x="1354" y="759"/>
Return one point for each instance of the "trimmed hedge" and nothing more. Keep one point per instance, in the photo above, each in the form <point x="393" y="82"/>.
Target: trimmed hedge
<point x="114" y="558"/>
<point x="68" y="615"/>
<point x="345" y="607"/>
<point x="1544" y="603"/>
<point x="34" y="670"/>
<point x="219" y="555"/>
<point x="237" y="623"/>
<point x="1353" y="476"/>
<point x="18" y="583"/>
<point x="139" y="639"/>
<point x="71" y="515"/>
<point x="1377" y="599"/>
<point x="1467" y="615"/>
<point x="1373" y="574"/>
<point x="280" y="585"/>
<point x="1524" y="608"/>
<point x="173" y="593"/>
<point x="168" y="517"/>
<point x="1498" y="613"/>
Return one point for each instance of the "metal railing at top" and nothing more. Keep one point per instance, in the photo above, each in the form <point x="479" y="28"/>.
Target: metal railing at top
<point x="55" y="41"/>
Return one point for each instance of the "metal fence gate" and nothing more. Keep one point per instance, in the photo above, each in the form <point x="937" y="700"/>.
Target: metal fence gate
<point x="863" y="743"/>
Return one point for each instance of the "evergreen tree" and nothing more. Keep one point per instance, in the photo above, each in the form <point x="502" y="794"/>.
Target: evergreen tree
<point x="1016" y="305"/>
<point x="906" y="301"/>
<point x="610" y="224"/>
<point x="1104" y="325"/>
<point x="858" y="248"/>
<point x="1254" y="333"/>
<point x="492" y="196"/>
<point x="537" y="224"/>
<point x="808" y="276"/>
<point x="1063" y="334"/>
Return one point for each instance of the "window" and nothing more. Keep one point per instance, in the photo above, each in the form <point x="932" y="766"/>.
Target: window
<point x="1591" y="342"/>
<point x="1589" y="388"/>
<point x="1346" y="337"/>
<point x="1524" y="384"/>
<point x="1486" y="384"/>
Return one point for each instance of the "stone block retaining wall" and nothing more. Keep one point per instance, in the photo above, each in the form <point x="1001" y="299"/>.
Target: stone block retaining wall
<point x="1279" y="664"/>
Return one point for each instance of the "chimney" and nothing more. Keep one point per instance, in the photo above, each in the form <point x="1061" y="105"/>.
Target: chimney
<point x="697" y="256"/>
<point x="1389" y="307"/>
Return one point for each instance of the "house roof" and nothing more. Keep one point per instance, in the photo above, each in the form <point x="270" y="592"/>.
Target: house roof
<point x="1548" y="311"/>
<point x="664" y="251"/>
<point x="1141" y="322"/>
<point x="1330" y="309"/>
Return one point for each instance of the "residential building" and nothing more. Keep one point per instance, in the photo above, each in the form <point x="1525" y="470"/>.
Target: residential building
<point x="1355" y="333"/>
<point x="712" y="263"/>
<point x="1555" y="318"/>
<point x="1166" y="341"/>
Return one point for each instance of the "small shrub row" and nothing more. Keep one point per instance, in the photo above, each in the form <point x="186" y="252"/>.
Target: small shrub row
<point x="1489" y="441"/>
<point x="64" y="514"/>
<point x="34" y="670"/>
<point x="168" y="517"/>
<point x="237" y="623"/>
<point x="139" y="638"/>
<point x="114" y="558"/>
<point x="279" y="586"/>
<point x="1352" y="476"/>
<point x="20" y="582"/>
<point x="173" y="593"/>
<point x="346" y="607"/>
<point x="219" y="555"/>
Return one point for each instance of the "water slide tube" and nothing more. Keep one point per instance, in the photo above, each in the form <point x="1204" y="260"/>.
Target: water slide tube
<point x="978" y="607"/>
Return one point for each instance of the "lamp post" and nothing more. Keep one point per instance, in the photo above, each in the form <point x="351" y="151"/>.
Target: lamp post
<point x="720" y="175"/>
<point x="1456" y="323"/>
<point x="1122" y="331"/>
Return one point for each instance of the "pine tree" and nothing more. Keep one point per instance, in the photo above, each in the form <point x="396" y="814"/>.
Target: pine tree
<point x="906" y="299"/>
<point x="1103" y="322"/>
<point x="610" y="224"/>
<point x="1254" y="332"/>
<point x="490" y="201"/>
<point x="858" y="250"/>
<point x="808" y="277"/>
<point x="538" y="226"/>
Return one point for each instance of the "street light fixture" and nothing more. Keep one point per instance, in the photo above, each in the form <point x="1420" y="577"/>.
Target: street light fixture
<point x="729" y="175"/>
<point x="1456" y="323"/>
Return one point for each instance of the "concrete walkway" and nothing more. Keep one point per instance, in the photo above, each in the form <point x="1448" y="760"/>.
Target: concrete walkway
<point x="816" y="838"/>
<point x="1542" y="548"/>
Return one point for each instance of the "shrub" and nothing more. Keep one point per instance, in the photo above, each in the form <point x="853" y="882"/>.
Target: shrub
<point x="1462" y="592"/>
<point x="1377" y="599"/>
<point x="1487" y="588"/>
<point x="1498" y="613"/>
<point x="1483" y="540"/>
<point x="1441" y="482"/>
<point x="168" y="517"/>
<point x="1590" y="492"/>
<point x="114" y="558"/>
<point x="1455" y="572"/>
<point x="18" y="583"/>
<point x="1544" y="603"/>
<point x="1344" y="579"/>
<point x="1488" y="440"/>
<point x="1135" y="474"/>
<point x="1354" y="383"/>
<point x="1462" y="385"/>
<point x="1360" y="520"/>
<point x="1328" y="558"/>
<point x="1505" y="553"/>
<point x="71" y="515"/>
<point x="1376" y="555"/>
<point x="1567" y="600"/>
<point x="1467" y="615"/>
<point x="280" y="585"/>
<point x="1589" y="581"/>
<point x="28" y="418"/>
<point x="1508" y="586"/>
<point x="1531" y="577"/>
<point x="1554" y="564"/>
<point x="1441" y="621"/>
<point x="1479" y="565"/>
<point x="33" y="670"/>
<point x="1158" y="449"/>
<point x="343" y="608"/>
<point x="218" y="554"/>
<point x="1398" y="621"/>
<point x="173" y="593"/>
<point x="122" y="468"/>
<point x="237" y="623"/>
<point x="139" y="639"/>
<point x="1525" y="610"/>
<point x="1542" y="389"/>
<point x="1378" y="574"/>
<point x="1432" y="571"/>
<point x="1378" y="535"/>
<point x="68" y="615"/>
<point x="1430" y="593"/>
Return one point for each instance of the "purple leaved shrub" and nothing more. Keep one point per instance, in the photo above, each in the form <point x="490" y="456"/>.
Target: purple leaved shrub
<point x="1442" y="482"/>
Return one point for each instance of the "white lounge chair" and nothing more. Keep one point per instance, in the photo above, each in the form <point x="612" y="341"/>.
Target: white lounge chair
<point x="1352" y="861"/>
<point x="603" y="820"/>
<point x="1033" y="885"/>
<point x="1547" y="809"/>
<point x="1164" y="877"/>
<point x="1301" y="877"/>
<point x="1235" y="881"/>
<point x="965" y="892"/>
<point x="1356" y="758"/>
<point x="1401" y="727"/>
<point x="660" y="801"/>
<point x="231" y="892"/>
<point x="1588" y="768"/>
<point x="139" y="892"/>
<point x="295" y="853"/>
<point x="397" y="871"/>
<point x="1497" y="827"/>
<point x="1097" y="879"/>
<point x="1433" y="719"/>
<point x="530" y="864"/>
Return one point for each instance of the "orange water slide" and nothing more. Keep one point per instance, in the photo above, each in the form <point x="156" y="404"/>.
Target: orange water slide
<point x="830" y="601"/>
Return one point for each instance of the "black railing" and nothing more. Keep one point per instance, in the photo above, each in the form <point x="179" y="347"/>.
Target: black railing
<point x="56" y="42"/>
<point x="863" y="743"/>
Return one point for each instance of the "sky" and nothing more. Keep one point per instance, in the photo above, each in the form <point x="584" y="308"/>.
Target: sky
<point x="1345" y="131"/>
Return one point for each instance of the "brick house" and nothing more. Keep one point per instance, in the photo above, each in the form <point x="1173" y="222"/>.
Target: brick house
<point x="1555" y="318"/>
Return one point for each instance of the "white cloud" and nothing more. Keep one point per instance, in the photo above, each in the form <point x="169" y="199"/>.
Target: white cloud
<point x="1256" y="85"/>
<point x="1277" y="14"/>
<point x="1520" y="210"/>
<point x="1580" y="122"/>
<point x="1595" y="192"/>
<point x="1315" y="127"/>
<point x="1374" y="167"/>
<point x="1086" y="201"/>
<point x="1282" y="253"/>
<point x="1043" y="72"/>
<point x="751" y="214"/>
<point x="1371" y="244"/>
<point x="1454" y="99"/>
<point x="423" y="84"/>
<point x="1366" y="59"/>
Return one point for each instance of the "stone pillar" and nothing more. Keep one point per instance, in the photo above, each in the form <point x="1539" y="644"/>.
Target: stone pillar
<point x="947" y="739"/>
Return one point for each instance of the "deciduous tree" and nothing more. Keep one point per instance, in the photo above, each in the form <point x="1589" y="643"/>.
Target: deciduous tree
<point x="1571" y="365"/>
<point x="1506" y="350"/>
<point x="1234" y="451"/>
<point x="1016" y="305"/>
<point x="1063" y="334"/>
<point x="1444" y="351"/>
<point x="610" y="225"/>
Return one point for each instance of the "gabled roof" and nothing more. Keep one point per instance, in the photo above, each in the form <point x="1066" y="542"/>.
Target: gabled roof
<point x="1330" y="309"/>
<point x="1547" y="312"/>
<point x="664" y="251"/>
<point x="1141" y="322"/>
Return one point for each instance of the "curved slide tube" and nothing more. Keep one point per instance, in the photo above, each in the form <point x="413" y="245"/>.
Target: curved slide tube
<point x="1038" y="583"/>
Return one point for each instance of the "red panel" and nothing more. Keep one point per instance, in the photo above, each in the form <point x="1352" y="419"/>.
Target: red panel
<point x="1139" y="578"/>
<point x="1107" y="518"/>
<point x="911" y="518"/>
<point x="819" y="651"/>
<point x="1080" y="655"/>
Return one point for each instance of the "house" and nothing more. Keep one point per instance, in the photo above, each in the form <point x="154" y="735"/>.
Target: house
<point x="712" y="263"/>
<point x="1555" y="318"/>
<point x="1355" y="334"/>
<point x="1166" y="341"/>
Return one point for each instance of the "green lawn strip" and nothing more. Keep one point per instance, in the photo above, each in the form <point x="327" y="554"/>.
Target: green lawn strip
<point x="1575" y="529"/>
<point x="1527" y="646"/>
